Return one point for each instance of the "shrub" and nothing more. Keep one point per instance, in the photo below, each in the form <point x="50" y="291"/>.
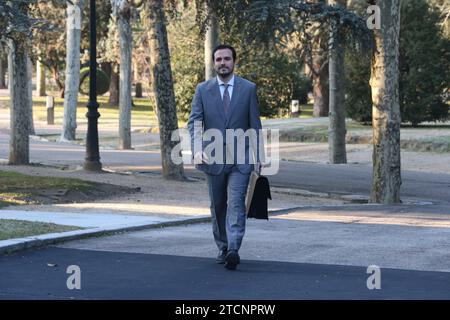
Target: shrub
<point x="424" y="64"/>
<point x="103" y="81"/>
<point x="302" y="86"/>
<point x="278" y="77"/>
<point x="358" y="100"/>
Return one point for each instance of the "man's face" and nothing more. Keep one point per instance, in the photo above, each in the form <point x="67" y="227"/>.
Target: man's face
<point x="223" y="62"/>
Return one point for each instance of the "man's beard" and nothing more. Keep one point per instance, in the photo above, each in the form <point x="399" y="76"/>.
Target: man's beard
<point x="224" y="73"/>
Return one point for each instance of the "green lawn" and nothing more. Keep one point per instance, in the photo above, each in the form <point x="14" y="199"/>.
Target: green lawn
<point x="307" y="111"/>
<point x="18" y="181"/>
<point x="10" y="229"/>
<point x="142" y="111"/>
<point x="17" y="188"/>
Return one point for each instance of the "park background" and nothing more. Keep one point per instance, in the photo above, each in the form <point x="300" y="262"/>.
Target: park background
<point x="288" y="58"/>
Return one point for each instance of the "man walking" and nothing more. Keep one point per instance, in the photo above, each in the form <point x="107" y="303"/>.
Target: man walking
<point x="226" y="103"/>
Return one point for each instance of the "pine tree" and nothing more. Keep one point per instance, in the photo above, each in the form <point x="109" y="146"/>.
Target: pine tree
<point x="424" y="64"/>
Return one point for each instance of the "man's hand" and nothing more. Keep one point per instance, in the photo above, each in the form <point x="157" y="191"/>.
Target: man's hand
<point x="259" y="166"/>
<point x="265" y="164"/>
<point x="200" y="157"/>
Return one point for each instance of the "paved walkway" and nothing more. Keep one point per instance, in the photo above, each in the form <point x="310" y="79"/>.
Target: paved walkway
<point x="314" y="252"/>
<point x="91" y="224"/>
<point x="42" y="274"/>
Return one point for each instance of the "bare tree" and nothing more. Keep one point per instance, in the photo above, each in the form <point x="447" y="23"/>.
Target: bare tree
<point x="211" y="41"/>
<point x="40" y="79"/>
<point x="137" y="80"/>
<point x="386" y="110"/>
<point x="336" y="129"/>
<point x="122" y="14"/>
<point x="163" y="86"/>
<point x="114" y="85"/>
<point x="73" y="25"/>
<point x="319" y="70"/>
<point x="19" y="143"/>
<point x="2" y="68"/>
<point x="30" y="96"/>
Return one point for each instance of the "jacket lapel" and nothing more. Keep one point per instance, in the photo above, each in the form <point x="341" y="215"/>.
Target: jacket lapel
<point x="215" y="98"/>
<point x="234" y="97"/>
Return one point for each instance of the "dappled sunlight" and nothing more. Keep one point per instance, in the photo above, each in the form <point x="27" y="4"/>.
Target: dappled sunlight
<point x="129" y="151"/>
<point x="410" y="220"/>
<point x="58" y="148"/>
<point x="137" y="208"/>
<point x="125" y="168"/>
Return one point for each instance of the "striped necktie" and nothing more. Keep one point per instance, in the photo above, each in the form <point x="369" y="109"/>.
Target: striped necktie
<point x="226" y="98"/>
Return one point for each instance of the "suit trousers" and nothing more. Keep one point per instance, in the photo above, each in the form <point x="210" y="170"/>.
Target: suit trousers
<point x="227" y="193"/>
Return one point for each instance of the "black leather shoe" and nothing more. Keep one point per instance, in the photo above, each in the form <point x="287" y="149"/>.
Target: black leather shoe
<point x="221" y="256"/>
<point x="232" y="260"/>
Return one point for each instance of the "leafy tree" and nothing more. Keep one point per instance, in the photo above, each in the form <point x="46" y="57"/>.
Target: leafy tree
<point x="50" y="46"/>
<point x="277" y="71"/>
<point x="424" y="64"/>
<point x="358" y="101"/>
<point x="15" y="21"/>
<point x="443" y="7"/>
<point x="187" y="55"/>
<point x="103" y="15"/>
<point x="16" y="26"/>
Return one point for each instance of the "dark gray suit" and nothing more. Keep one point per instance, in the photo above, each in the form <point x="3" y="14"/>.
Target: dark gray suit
<point x="228" y="179"/>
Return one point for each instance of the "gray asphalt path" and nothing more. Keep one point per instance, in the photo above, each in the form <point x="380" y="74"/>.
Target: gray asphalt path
<point x="321" y="253"/>
<point x="387" y="237"/>
<point x="313" y="253"/>
<point x="337" y="179"/>
<point x="355" y="179"/>
<point x="42" y="274"/>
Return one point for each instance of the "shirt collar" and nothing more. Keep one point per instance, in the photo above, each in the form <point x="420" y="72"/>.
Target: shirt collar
<point x="230" y="83"/>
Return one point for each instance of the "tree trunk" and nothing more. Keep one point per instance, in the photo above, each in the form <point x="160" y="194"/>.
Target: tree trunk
<point x="114" y="87"/>
<point x="72" y="70"/>
<point x="319" y="72"/>
<point x="386" y="110"/>
<point x="40" y="79"/>
<point x="106" y="67"/>
<point x="122" y="14"/>
<point x="19" y="151"/>
<point x="320" y="84"/>
<point x="30" y="97"/>
<point x="163" y="87"/>
<point x="2" y="71"/>
<point x="138" y="93"/>
<point x="211" y="41"/>
<point x="58" y="81"/>
<point x="336" y="129"/>
<point x="136" y="79"/>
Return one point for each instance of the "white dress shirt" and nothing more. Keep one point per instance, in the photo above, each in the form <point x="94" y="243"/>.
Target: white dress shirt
<point x="222" y="87"/>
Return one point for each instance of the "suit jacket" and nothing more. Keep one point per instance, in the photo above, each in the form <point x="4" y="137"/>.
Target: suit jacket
<point x="207" y="107"/>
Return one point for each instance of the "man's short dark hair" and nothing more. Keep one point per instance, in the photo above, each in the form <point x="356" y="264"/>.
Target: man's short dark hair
<point x="224" y="46"/>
